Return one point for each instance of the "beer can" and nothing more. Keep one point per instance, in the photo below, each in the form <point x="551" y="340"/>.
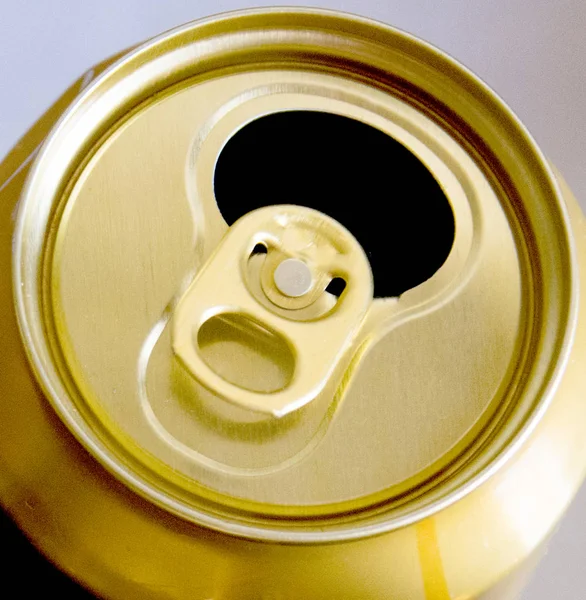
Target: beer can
<point x="290" y="310"/>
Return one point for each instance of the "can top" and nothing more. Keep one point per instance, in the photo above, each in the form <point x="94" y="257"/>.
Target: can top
<point x="294" y="275"/>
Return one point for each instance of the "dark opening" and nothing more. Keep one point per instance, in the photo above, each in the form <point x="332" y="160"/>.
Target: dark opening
<point x="366" y="180"/>
<point x="259" y="249"/>
<point x="336" y="286"/>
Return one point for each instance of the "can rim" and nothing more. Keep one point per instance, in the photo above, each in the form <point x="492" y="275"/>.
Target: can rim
<point x="95" y="445"/>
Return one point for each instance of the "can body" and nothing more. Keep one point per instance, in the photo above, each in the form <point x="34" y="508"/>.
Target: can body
<point x="121" y="545"/>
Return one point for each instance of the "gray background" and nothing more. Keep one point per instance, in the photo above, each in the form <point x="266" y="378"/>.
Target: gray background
<point x="532" y="52"/>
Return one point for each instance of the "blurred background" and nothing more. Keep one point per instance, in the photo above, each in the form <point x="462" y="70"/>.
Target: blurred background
<point x="532" y="52"/>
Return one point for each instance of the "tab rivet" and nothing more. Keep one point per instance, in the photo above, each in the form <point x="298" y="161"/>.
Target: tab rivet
<point x="293" y="278"/>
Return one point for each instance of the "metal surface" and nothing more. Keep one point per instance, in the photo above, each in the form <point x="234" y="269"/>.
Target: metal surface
<point x="455" y="374"/>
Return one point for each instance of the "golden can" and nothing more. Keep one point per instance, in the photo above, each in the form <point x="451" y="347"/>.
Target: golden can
<point x="290" y="310"/>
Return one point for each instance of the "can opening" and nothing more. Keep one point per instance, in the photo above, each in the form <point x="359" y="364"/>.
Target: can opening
<point x="351" y="171"/>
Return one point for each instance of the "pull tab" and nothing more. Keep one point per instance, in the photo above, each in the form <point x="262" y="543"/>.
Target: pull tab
<point x="305" y="251"/>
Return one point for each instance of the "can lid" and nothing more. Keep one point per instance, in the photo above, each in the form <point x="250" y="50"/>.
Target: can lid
<point x="294" y="275"/>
